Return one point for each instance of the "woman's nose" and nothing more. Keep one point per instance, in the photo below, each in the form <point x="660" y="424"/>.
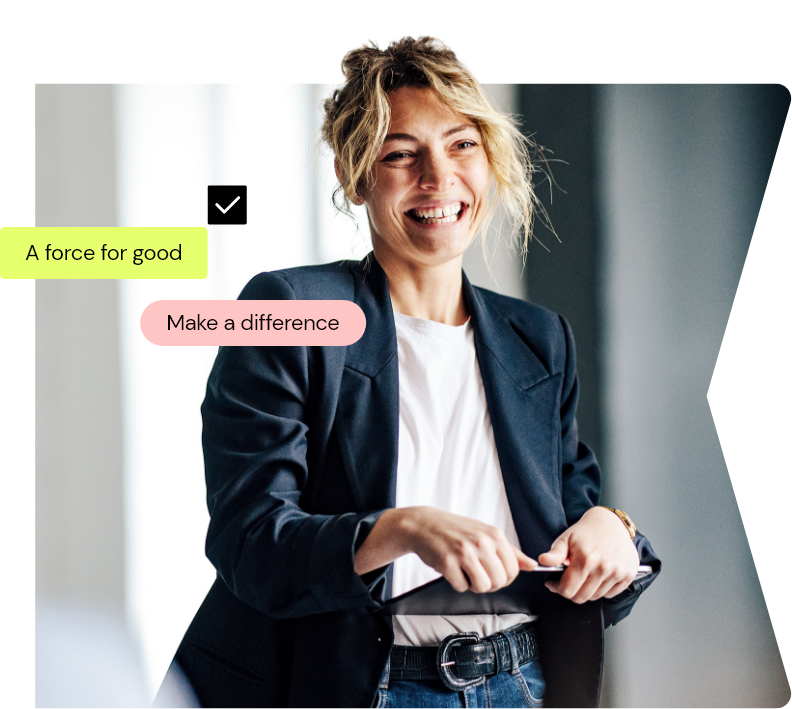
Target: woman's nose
<point x="437" y="173"/>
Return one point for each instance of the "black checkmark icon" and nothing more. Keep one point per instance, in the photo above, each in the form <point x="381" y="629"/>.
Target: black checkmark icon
<point x="227" y="204"/>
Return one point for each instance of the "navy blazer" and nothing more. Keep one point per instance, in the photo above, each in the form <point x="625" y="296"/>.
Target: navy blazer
<point x="301" y="446"/>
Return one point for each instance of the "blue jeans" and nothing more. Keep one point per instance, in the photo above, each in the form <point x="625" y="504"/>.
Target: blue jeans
<point x="524" y="688"/>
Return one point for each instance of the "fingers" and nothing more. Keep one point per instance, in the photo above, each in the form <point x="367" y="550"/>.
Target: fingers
<point x="591" y="580"/>
<point x="471" y="555"/>
<point x="456" y="577"/>
<point x="558" y="553"/>
<point x="471" y="573"/>
<point x="618" y="588"/>
<point x="502" y="568"/>
<point x="581" y="585"/>
<point x="601" y="559"/>
<point x="611" y="585"/>
<point x="486" y="559"/>
<point x="492" y="561"/>
<point x="525" y="562"/>
<point x="508" y="562"/>
<point x="485" y="578"/>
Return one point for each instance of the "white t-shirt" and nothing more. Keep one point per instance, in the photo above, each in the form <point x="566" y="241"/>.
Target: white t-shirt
<point x="447" y="459"/>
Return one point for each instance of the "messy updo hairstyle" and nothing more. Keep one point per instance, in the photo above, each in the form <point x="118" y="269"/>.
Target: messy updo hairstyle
<point x="357" y="118"/>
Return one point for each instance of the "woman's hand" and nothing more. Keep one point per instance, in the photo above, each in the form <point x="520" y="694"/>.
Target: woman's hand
<point x="601" y="558"/>
<point x="470" y="554"/>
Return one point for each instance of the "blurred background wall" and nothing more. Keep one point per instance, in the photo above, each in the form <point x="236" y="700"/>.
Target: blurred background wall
<point x="656" y="193"/>
<point x="78" y="408"/>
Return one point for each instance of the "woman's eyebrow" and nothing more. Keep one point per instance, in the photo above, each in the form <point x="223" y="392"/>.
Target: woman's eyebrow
<point x="407" y="136"/>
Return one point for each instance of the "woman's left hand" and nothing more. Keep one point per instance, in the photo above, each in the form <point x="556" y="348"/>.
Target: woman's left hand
<point x="601" y="558"/>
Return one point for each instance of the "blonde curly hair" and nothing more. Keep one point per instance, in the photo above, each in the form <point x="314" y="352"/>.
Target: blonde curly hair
<point x="357" y="118"/>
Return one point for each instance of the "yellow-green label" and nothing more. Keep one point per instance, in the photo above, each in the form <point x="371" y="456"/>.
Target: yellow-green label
<point x="104" y="252"/>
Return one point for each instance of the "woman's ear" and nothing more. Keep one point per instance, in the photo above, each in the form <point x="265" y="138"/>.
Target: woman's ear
<point x="356" y="200"/>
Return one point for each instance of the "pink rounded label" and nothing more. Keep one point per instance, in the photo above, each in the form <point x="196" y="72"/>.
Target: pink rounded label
<point x="253" y="322"/>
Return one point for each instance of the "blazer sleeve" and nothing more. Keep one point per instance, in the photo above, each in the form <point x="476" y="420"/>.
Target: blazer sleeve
<point x="581" y="487"/>
<point x="271" y="553"/>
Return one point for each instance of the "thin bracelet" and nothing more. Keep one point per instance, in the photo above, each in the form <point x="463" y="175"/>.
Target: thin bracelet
<point x="625" y="518"/>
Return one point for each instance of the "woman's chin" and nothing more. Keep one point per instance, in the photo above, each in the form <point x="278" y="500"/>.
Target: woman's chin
<point x="437" y="249"/>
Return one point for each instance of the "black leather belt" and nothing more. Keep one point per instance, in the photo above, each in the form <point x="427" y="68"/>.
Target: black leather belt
<point x="465" y="660"/>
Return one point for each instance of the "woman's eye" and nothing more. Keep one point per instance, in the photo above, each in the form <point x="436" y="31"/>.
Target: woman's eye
<point x="466" y="144"/>
<point x="398" y="155"/>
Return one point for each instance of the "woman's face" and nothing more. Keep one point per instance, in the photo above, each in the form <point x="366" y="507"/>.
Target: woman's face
<point x="431" y="184"/>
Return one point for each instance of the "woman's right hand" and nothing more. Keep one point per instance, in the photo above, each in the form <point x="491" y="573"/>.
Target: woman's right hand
<point x="470" y="554"/>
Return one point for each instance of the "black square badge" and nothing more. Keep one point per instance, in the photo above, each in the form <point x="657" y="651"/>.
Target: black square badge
<point x="227" y="204"/>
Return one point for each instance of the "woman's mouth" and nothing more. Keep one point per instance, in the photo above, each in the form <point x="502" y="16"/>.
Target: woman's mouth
<point x="438" y="215"/>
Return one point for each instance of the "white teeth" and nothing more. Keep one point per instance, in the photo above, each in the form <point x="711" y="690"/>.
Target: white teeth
<point x="442" y="220"/>
<point x="439" y="212"/>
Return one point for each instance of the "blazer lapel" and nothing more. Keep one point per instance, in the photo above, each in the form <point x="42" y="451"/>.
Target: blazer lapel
<point x="367" y="418"/>
<point x="523" y="400"/>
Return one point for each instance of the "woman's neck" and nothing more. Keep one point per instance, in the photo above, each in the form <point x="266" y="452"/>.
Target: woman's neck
<point x="429" y="292"/>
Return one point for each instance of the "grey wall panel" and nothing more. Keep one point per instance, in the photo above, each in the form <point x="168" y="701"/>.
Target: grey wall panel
<point x="79" y="481"/>
<point x="562" y="272"/>
<point x="683" y="169"/>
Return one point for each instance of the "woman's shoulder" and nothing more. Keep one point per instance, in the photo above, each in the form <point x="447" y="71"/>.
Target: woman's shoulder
<point x="329" y="281"/>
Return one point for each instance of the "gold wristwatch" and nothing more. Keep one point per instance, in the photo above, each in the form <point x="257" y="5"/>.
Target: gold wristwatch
<point x="624" y="517"/>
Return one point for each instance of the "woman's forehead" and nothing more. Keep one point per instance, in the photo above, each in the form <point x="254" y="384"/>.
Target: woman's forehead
<point x="420" y="110"/>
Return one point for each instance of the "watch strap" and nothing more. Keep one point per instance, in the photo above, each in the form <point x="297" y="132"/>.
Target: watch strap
<point x="625" y="518"/>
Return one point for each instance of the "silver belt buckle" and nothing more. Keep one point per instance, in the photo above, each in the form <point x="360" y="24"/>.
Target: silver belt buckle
<point x="445" y="663"/>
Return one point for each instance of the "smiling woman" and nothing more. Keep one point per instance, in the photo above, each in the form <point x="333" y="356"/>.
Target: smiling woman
<point x="435" y="175"/>
<point x="359" y="125"/>
<point x="442" y="442"/>
<point x="428" y="196"/>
